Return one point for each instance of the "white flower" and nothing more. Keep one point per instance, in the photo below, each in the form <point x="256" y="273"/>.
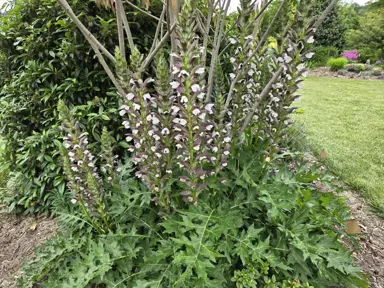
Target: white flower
<point x="251" y="72"/>
<point x="165" y="131"/>
<point x="90" y="164"/>
<point x="131" y="149"/>
<point x="311" y="40"/>
<point x="135" y="131"/>
<point x="175" y="109"/>
<point x="183" y="122"/>
<point x="195" y="87"/>
<point x="232" y="40"/>
<point x="196" y="148"/>
<point x="130" y="96"/>
<point x="138" y="124"/>
<point x="149" y="118"/>
<point x="175" y="84"/>
<point x="200" y="70"/>
<point x="232" y="59"/>
<point x="153" y="148"/>
<point x="128" y="139"/>
<point x="300" y="66"/>
<point x="224" y="164"/>
<point x="196" y="128"/>
<point x="209" y="107"/>
<point x="226" y="153"/>
<point x="175" y="70"/>
<point x="122" y="112"/>
<point x="196" y="112"/>
<point x="287" y="59"/>
<point x="71" y="154"/>
<point x="183" y="72"/>
<point x="168" y="171"/>
<point x="158" y="155"/>
<point x="202" y="116"/>
<point x="215" y="149"/>
<point x="166" y="151"/>
<point x="309" y="55"/>
<point x="126" y="124"/>
<point x="73" y="201"/>
<point x="176" y="120"/>
<point x="147" y="96"/>
<point x="232" y="76"/>
<point x="136" y="106"/>
<point x="227" y="139"/>
<point x="150" y="132"/>
<point x="184" y="99"/>
<point x="74" y="168"/>
<point x="209" y="127"/>
<point x="213" y="158"/>
<point x="156" y="137"/>
<point x="249" y="37"/>
<point x="179" y="146"/>
<point x="155" y="120"/>
<point x="289" y="77"/>
<point x="137" y="145"/>
<point x="201" y="96"/>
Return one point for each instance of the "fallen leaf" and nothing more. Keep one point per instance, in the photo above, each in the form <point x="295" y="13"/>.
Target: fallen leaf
<point x="323" y="154"/>
<point x="353" y="227"/>
<point x="33" y="226"/>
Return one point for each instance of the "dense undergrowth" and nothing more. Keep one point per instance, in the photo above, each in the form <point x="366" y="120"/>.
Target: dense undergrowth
<point x="207" y="192"/>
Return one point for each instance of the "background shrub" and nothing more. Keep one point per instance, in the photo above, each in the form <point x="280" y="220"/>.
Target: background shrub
<point x="43" y="58"/>
<point x="322" y="55"/>
<point x="355" y="67"/>
<point x="337" y="63"/>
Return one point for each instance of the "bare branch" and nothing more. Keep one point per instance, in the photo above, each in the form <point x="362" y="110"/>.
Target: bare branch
<point x="87" y="34"/>
<point x="240" y="73"/>
<point x="107" y="69"/>
<point x="206" y="32"/>
<point x="262" y="97"/>
<point x="266" y="33"/>
<point x="131" y="44"/>
<point x="216" y="49"/>
<point x="159" y="25"/>
<point x="120" y="29"/>
<point x="141" y="10"/>
<point x="149" y="58"/>
<point x="325" y="13"/>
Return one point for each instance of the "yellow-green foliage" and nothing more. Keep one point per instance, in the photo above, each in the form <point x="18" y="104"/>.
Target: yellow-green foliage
<point x="337" y="63"/>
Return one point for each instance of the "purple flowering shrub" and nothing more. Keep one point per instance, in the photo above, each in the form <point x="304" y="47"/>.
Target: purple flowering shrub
<point x="350" y="55"/>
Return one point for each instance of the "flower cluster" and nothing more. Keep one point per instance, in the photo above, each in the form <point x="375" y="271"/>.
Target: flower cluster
<point x="350" y="55"/>
<point x="173" y="132"/>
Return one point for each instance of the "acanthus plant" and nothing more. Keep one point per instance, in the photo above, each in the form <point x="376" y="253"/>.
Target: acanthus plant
<point x="181" y="130"/>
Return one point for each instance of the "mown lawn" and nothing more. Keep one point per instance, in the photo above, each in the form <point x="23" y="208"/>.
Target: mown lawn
<point x="346" y="118"/>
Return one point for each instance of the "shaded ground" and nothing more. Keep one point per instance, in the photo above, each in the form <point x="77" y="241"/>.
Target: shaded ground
<point x="18" y="237"/>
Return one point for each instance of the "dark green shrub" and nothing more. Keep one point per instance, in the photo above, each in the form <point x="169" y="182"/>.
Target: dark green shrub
<point x="322" y="55"/>
<point x="377" y="72"/>
<point x="337" y="63"/>
<point x="355" y="67"/>
<point x="43" y="58"/>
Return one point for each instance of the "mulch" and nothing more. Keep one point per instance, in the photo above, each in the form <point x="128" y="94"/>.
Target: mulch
<point x="19" y="235"/>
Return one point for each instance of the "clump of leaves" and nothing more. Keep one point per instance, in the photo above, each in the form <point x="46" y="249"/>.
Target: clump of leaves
<point x="281" y="233"/>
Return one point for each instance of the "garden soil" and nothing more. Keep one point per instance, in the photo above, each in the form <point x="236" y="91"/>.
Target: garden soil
<point x="18" y="237"/>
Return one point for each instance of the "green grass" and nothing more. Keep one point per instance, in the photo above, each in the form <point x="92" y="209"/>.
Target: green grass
<point x="346" y="118"/>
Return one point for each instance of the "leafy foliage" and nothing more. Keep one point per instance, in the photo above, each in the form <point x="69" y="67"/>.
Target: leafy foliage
<point x="237" y="240"/>
<point x="322" y="55"/>
<point x="368" y="38"/>
<point x="337" y="63"/>
<point x="43" y="58"/>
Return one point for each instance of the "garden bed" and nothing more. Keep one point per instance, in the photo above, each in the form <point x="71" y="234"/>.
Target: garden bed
<point x="326" y="72"/>
<point x="18" y="237"/>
